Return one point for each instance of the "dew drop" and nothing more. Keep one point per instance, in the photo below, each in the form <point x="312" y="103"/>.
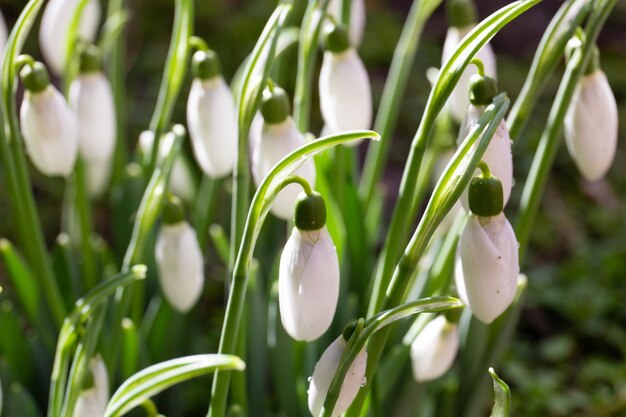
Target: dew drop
<point x="309" y="378"/>
<point x="364" y="382"/>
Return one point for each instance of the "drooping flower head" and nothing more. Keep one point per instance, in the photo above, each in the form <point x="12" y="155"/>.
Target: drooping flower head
<point x="344" y="86"/>
<point x="434" y="349"/>
<point x="279" y="137"/>
<point x="179" y="258"/>
<point x="48" y="124"/>
<point x="487" y="266"/>
<point x="462" y="19"/>
<point x="324" y="372"/>
<point x="92" y="401"/>
<point x="211" y="116"/>
<point x="308" y="280"/>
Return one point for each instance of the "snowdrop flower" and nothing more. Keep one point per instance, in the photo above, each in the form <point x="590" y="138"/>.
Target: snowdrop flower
<point x="357" y="19"/>
<point x="181" y="179"/>
<point x="591" y="124"/>
<point x="498" y="155"/>
<point x="211" y="117"/>
<point x="92" y="401"/>
<point x="55" y="22"/>
<point x="279" y="137"/>
<point x="308" y="279"/>
<point x="344" y="86"/>
<point x="487" y="264"/>
<point x="179" y="258"/>
<point x="434" y="349"/>
<point x="462" y="17"/>
<point x="48" y="124"/>
<point x="3" y="36"/>
<point x="323" y="375"/>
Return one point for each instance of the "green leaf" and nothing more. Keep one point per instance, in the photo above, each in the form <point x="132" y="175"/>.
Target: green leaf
<point x="19" y="402"/>
<point x="502" y="394"/>
<point x="112" y="29"/>
<point x="159" y="377"/>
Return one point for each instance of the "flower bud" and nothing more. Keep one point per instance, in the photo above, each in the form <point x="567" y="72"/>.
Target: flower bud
<point x="55" y="22"/>
<point x="98" y="175"/>
<point x="48" y="124"/>
<point x="487" y="266"/>
<point x="91" y="97"/>
<point x="434" y="349"/>
<point x="323" y="375"/>
<point x="345" y="92"/>
<point x="179" y="259"/>
<point x="277" y="140"/>
<point x="308" y="279"/>
<point x="92" y="401"/>
<point x="591" y="126"/>
<point x="211" y="117"/>
<point x="459" y="98"/>
<point x="357" y="19"/>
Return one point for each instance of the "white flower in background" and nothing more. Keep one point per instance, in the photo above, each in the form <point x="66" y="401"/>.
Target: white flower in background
<point x="487" y="265"/>
<point x="357" y="19"/>
<point x="179" y="259"/>
<point x="92" y="401"/>
<point x="3" y="36"/>
<point x="323" y="374"/>
<point x="434" y="349"/>
<point x="97" y="176"/>
<point x="591" y="125"/>
<point x="308" y="279"/>
<point x="48" y="124"/>
<point x="462" y="19"/>
<point x="344" y="86"/>
<point x="181" y="179"/>
<point x="279" y="137"/>
<point x="211" y="117"/>
<point x="56" y="19"/>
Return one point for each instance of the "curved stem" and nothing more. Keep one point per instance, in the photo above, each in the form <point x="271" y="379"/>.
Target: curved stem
<point x="197" y="43"/>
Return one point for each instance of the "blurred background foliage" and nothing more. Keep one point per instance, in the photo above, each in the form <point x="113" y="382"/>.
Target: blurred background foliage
<point x="569" y="354"/>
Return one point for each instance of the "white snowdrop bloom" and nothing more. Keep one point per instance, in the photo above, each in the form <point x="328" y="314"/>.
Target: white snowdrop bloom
<point x="179" y="259"/>
<point x="92" y="401"/>
<point x="323" y="374"/>
<point x="3" y="36"/>
<point x="591" y="126"/>
<point x="434" y="349"/>
<point x="211" y="117"/>
<point x="48" y="124"/>
<point x="344" y="86"/>
<point x="498" y="155"/>
<point x="279" y="137"/>
<point x="91" y="97"/>
<point x="308" y="279"/>
<point x="487" y="266"/>
<point x="56" y="19"/>
<point x="98" y="175"/>
<point x="357" y="19"/>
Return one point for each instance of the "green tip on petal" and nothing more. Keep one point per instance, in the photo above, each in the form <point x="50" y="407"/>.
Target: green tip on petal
<point x="35" y="77"/>
<point x="482" y="89"/>
<point x="310" y="212"/>
<point x="205" y="65"/>
<point x="173" y="210"/>
<point x="335" y="38"/>
<point x="461" y="13"/>
<point x="90" y="59"/>
<point x="486" y="198"/>
<point x="275" y="107"/>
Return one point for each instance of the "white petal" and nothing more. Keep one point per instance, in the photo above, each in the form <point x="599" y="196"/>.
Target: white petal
<point x="489" y="266"/>
<point x="91" y="98"/>
<point x="498" y="156"/>
<point x="98" y="174"/>
<point x="92" y="401"/>
<point x="55" y="22"/>
<point x="357" y="19"/>
<point x="49" y="130"/>
<point x="324" y="372"/>
<point x="591" y="126"/>
<point x="278" y="140"/>
<point x="3" y="36"/>
<point x="345" y="92"/>
<point x="212" y="122"/>
<point x="434" y="349"/>
<point x="180" y="264"/>
<point x="459" y="99"/>
<point x="308" y="283"/>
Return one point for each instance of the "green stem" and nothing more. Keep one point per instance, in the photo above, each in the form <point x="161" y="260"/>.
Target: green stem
<point x="208" y="194"/>
<point x="387" y="115"/>
<point x="83" y="210"/>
